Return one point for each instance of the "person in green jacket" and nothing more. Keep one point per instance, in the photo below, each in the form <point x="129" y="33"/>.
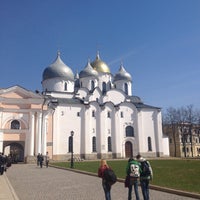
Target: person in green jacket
<point x="133" y="171"/>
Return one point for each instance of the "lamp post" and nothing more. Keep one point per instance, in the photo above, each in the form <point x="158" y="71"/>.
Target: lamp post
<point x="72" y="150"/>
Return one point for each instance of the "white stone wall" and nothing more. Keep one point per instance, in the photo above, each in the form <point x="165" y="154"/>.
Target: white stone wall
<point x="57" y="85"/>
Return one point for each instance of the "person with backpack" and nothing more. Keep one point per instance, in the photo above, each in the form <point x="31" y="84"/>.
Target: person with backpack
<point x="145" y="176"/>
<point x="133" y="171"/>
<point x="108" y="178"/>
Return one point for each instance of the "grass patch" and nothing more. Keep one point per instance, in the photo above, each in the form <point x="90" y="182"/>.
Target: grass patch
<point x="176" y="174"/>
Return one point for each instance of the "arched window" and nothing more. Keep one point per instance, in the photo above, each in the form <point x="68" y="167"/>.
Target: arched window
<point x="103" y="87"/>
<point x="65" y="89"/>
<point x="94" y="146"/>
<point x="15" y="124"/>
<point x="70" y="144"/>
<point x="149" y="144"/>
<point x="92" y="85"/>
<point x="126" y="88"/>
<point x="93" y="113"/>
<point x="129" y="131"/>
<point x="109" y="144"/>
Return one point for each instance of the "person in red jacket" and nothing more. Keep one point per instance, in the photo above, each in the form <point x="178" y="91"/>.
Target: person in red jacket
<point x="105" y="184"/>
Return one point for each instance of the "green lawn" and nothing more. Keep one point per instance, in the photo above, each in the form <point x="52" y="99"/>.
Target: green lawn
<point x="176" y="174"/>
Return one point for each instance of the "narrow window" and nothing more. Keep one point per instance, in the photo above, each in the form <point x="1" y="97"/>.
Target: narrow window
<point x="149" y="144"/>
<point x="109" y="144"/>
<point x="122" y="115"/>
<point x="126" y="88"/>
<point x="108" y="114"/>
<point x="103" y="87"/>
<point x="94" y="148"/>
<point x="65" y="86"/>
<point x="93" y="113"/>
<point x="92" y="85"/>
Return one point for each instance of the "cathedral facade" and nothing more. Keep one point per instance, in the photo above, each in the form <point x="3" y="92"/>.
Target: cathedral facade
<point x="92" y="114"/>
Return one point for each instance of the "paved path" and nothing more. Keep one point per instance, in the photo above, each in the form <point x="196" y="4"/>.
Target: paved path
<point x="32" y="183"/>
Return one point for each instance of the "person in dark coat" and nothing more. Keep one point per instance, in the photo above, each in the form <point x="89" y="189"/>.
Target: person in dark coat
<point x="41" y="159"/>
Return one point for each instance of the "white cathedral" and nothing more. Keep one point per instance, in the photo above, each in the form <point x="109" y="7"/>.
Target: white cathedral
<point x="92" y="114"/>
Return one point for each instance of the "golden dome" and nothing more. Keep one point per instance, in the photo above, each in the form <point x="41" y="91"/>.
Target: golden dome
<point x="99" y="65"/>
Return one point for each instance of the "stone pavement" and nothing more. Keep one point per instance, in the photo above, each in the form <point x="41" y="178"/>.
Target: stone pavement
<point x="6" y="190"/>
<point x="30" y="182"/>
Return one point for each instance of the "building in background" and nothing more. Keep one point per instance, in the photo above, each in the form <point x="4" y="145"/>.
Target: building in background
<point x="184" y="139"/>
<point x="106" y="120"/>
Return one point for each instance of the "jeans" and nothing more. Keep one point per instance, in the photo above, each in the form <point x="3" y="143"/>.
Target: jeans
<point x="106" y="188"/>
<point x="145" y="188"/>
<point x="135" y="184"/>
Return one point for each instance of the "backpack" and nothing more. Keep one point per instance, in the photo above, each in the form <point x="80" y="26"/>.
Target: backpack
<point x="110" y="176"/>
<point x="134" y="170"/>
<point x="145" y="169"/>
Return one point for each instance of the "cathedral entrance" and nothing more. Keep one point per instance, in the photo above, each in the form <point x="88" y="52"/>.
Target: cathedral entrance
<point x="16" y="152"/>
<point x="128" y="150"/>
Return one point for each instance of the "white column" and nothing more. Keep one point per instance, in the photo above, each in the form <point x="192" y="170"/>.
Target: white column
<point x="44" y="135"/>
<point x="87" y="132"/>
<point x="38" y="133"/>
<point x="140" y="137"/>
<point x="31" y="136"/>
<point x="158" y="131"/>
<point x="116" y="143"/>
<point x="102" y="131"/>
<point x="1" y="133"/>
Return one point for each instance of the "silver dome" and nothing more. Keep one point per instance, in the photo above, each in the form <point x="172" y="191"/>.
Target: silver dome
<point x="88" y="71"/>
<point x="122" y="75"/>
<point x="58" y="69"/>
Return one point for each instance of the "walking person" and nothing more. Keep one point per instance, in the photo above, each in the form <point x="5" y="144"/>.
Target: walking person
<point x="38" y="159"/>
<point x="47" y="159"/>
<point x="145" y="176"/>
<point x="105" y="184"/>
<point x="41" y="159"/>
<point x="133" y="171"/>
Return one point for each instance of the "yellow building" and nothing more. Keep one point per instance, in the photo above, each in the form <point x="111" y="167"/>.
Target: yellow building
<point x="184" y="139"/>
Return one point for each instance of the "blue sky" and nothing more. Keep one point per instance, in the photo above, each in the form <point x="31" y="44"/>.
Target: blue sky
<point x="158" y="42"/>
